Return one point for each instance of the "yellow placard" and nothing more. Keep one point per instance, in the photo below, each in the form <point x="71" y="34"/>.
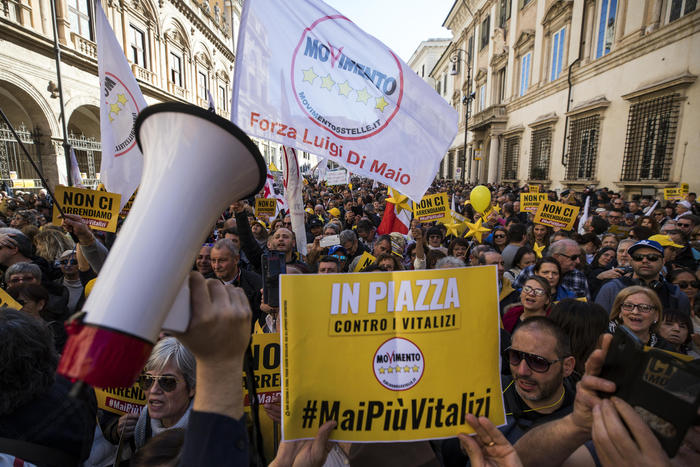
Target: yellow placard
<point x="533" y="188"/>
<point x="265" y="206"/>
<point x="557" y="215"/>
<point x="100" y="209"/>
<point x="433" y="208"/>
<point x="7" y="300"/>
<point x="378" y="353"/>
<point x="121" y="400"/>
<point x="127" y="207"/>
<point x="685" y="188"/>
<point x="673" y="194"/>
<point x="530" y="201"/>
<point x="265" y="350"/>
<point x="365" y="260"/>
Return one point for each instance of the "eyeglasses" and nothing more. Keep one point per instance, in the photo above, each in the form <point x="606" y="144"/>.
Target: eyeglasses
<point x="341" y="257"/>
<point x="651" y="257"/>
<point x="534" y="362"/>
<point x="499" y="236"/>
<point x="571" y="257"/>
<point x="533" y="291"/>
<point x="64" y="262"/>
<point x="642" y="307"/>
<point x="684" y="226"/>
<point x="166" y="383"/>
<point x="686" y="284"/>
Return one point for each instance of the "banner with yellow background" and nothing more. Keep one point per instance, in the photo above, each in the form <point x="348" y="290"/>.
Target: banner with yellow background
<point x="399" y="356"/>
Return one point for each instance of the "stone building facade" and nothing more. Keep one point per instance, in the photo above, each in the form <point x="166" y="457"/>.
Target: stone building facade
<point x="573" y="93"/>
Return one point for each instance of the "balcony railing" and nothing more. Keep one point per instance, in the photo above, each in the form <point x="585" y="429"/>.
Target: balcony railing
<point x="493" y="114"/>
<point x="177" y="90"/>
<point x="83" y="45"/>
<point x="143" y="74"/>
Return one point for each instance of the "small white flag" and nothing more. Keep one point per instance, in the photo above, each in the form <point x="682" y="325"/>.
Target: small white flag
<point x="293" y="186"/>
<point x="212" y="106"/>
<point x="120" y="102"/>
<point x="75" y="176"/>
<point x="584" y="216"/>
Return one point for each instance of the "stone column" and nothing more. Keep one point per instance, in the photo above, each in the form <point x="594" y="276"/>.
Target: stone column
<point x="493" y="159"/>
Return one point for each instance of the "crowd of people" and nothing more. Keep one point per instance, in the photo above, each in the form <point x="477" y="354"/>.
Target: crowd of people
<point x="633" y="262"/>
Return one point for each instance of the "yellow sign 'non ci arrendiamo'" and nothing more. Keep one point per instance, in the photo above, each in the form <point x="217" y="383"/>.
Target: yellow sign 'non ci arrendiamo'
<point x="100" y="209"/>
<point x="530" y="201"/>
<point x="433" y="208"/>
<point x="399" y="356"/>
<point x="267" y="206"/>
<point x="557" y="215"/>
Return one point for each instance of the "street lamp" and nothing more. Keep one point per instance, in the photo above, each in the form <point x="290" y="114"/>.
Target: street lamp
<point x="455" y="58"/>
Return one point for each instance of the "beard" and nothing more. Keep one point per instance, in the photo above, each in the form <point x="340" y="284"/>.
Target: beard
<point x="543" y="390"/>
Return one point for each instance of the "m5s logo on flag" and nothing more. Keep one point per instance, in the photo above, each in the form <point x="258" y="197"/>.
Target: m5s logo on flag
<point x="309" y="78"/>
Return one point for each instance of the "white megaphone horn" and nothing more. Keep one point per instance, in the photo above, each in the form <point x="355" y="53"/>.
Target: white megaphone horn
<point x="195" y="164"/>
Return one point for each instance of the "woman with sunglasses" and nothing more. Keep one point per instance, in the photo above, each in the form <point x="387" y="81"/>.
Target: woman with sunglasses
<point x="168" y="381"/>
<point x="639" y="309"/>
<point x="535" y="299"/>
<point x="687" y="282"/>
<point x="499" y="239"/>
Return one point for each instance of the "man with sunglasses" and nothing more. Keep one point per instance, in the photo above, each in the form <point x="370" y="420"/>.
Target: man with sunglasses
<point x="538" y="389"/>
<point x="647" y="260"/>
<point x="68" y="264"/>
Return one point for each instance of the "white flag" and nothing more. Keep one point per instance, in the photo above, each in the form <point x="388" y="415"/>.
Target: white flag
<point x="307" y="77"/>
<point x="584" y="216"/>
<point x="120" y="102"/>
<point x="75" y="176"/>
<point x="212" y="106"/>
<point x="293" y="186"/>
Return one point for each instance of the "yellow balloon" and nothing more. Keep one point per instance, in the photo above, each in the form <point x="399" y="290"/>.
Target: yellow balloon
<point x="480" y="198"/>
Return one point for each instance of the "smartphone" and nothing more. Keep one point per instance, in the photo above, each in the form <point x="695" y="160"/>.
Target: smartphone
<point x="329" y="241"/>
<point x="661" y="387"/>
<point x="273" y="264"/>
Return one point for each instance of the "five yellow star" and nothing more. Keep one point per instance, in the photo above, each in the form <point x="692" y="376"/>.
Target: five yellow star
<point x="406" y="369"/>
<point x="310" y="75"/>
<point x="327" y="82"/>
<point x="381" y="103"/>
<point x="398" y="369"/>
<point x="476" y="230"/>
<point x="415" y="369"/>
<point x="344" y="89"/>
<point x="399" y="201"/>
<point x="381" y="370"/>
<point x="121" y="98"/>
<point x="390" y="370"/>
<point x="362" y="95"/>
<point x="115" y="108"/>
<point x="538" y="249"/>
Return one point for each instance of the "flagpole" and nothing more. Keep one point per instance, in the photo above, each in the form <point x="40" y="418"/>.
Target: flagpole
<point x="57" y="50"/>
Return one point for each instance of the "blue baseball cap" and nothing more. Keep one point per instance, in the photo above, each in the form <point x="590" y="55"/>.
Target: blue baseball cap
<point x="337" y="248"/>
<point x="646" y="244"/>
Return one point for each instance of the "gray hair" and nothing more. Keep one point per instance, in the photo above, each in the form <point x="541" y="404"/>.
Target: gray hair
<point x="347" y="236"/>
<point x="169" y="350"/>
<point x="23" y="268"/>
<point x="227" y="243"/>
<point x="24" y="244"/>
<point x="560" y="246"/>
<point x="449" y="262"/>
<point x="625" y="241"/>
<point x="332" y="225"/>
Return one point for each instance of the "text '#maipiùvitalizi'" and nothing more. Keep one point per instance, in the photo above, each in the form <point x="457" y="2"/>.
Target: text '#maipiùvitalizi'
<point x="399" y="414"/>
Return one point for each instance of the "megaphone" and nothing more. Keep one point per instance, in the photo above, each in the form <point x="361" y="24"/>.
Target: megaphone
<point x="195" y="164"/>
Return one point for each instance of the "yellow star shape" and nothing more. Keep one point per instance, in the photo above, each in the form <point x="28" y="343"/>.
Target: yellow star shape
<point x="310" y="75"/>
<point x="344" y="89"/>
<point x="381" y="103"/>
<point x="476" y="230"/>
<point x="115" y="108"/>
<point x="398" y="369"/>
<point x="327" y="82"/>
<point x="454" y="228"/>
<point x="399" y="201"/>
<point x="497" y="208"/>
<point x="390" y="370"/>
<point x="362" y="95"/>
<point x="382" y="370"/>
<point x="121" y="98"/>
<point x="415" y="368"/>
<point x="538" y="249"/>
<point x="406" y="369"/>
